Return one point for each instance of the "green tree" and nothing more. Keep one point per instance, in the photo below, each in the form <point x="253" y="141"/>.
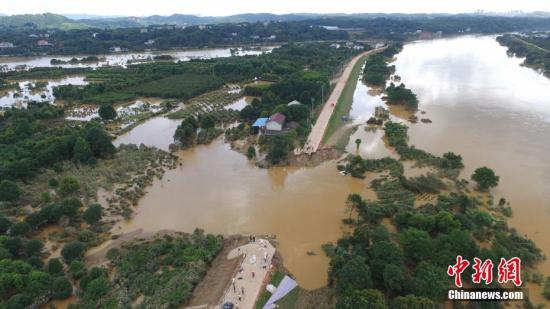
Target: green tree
<point x="429" y="281"/>
<point x="77" y="269"/>
<point x="5" y="224"/>
<point x="20" y="228"/>
<point x="34" y="247"/>
<point x="73" y="251"/>
<point x="546" y="290"/>
<point x="393" y="277"/>
<point x="355" y="274"/>
<point x="362" y="299"/>
<point x="9" y="191"/>
<point x="107" y="112"/>
<point x="485" y="178"/>
<point x="413" y="302"/>
<point x="82" y="151"/>
<point x="55" y="267"/>
<point x="21" y="300"/>
<point x="251" y="152"/>
<point x="186" y="134"/>
<point x="97" y="288"/>
<point x="358" y="143"/>
<point x="452" y="161"/>
<point x="207" y="121"/>
<point x="99" y="140"/>
<point x="61" y="288"/>
<point x="417" y="244"/>
<point x="68" y="185"/>
<point x="93" y="214"/>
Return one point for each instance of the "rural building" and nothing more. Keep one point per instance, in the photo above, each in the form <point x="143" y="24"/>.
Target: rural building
<point x="295" y="102"/>
<point x="6" y="45"/>
<point x="43" y="43"/>
<point x="260" y="123"/>
<point x="271" y="126"/>
<point x="275" y="122"/>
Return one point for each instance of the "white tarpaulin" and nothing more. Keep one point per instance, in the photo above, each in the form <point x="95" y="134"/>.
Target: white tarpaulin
<point x="287" y="285"/>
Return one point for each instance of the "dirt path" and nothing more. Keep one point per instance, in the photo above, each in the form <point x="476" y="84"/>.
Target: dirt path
<point x="212" y="287"/>
<point x="316" y="136"/>
<point x="531" y="44"/>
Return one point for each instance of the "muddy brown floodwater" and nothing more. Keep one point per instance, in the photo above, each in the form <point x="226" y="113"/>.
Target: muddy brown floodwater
<point x="218" y="190"/>
<point x="493" y="112"/>
<point x="483" y="105"/>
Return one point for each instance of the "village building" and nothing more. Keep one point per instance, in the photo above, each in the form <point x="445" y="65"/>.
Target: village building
<point x="275" y="122"/>
<point x="6" y="45"/>
<point x="295" y="102"/>
<point x="43" y="43"/>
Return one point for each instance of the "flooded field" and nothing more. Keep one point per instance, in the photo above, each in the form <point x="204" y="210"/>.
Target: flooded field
<point x="36" y="90"/>
<point x="122" y="59"/>
<point x="482" y="103"/>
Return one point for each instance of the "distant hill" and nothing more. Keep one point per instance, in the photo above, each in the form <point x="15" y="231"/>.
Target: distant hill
<point x="46" y="20"/>
<point x="80" y="21"/>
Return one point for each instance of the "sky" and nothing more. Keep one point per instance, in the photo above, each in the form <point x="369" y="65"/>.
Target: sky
<point x="230" y="7"/>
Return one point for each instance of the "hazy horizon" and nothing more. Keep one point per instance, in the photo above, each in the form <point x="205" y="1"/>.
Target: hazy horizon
<point x="106" y="8"/>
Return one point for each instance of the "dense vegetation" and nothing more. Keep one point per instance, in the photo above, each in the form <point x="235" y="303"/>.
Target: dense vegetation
<point x="376" y="70"/>
<point x="29" y="141"/>
<point x="161" y="272"/>
<point x="400" y="26"/>
<point x="535" y="49"/>
<point x="101" y="41"/>
<point x="401" y="95"/>
<point x="405" y="266"/>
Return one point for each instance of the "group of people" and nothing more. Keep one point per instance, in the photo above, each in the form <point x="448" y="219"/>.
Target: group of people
<point x="238" y="280"/>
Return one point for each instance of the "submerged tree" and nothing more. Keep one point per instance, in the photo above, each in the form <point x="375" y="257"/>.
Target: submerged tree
<point x="107" y="112"/>
<point x="357" y="143"/>
<point x="485" y="178"/>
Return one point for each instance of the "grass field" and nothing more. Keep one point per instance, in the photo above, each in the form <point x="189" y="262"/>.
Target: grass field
<point x="344" y="102"/>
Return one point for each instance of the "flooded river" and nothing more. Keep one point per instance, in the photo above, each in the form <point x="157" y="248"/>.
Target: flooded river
<point x="493" y="112"/>
<point x="482" y="103"/>
<point x="121" y="59"/>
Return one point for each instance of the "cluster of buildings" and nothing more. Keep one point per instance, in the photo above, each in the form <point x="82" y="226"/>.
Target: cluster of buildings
<point x="348" y="44"/>
<point x="6" y="45"/>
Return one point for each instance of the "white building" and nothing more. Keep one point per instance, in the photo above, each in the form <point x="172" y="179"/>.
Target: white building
<point x="275" y="122"/>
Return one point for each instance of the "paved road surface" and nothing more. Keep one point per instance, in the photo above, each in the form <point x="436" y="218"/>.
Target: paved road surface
<point x="316" y="136"/>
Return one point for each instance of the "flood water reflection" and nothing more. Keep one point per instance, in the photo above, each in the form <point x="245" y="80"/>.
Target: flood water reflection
<point x="493" y="112"/>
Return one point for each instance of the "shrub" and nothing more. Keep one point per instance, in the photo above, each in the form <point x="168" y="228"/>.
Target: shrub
<point x="34" y="247"/>
<point x="55" y="267"/>
<point x="20" y="228"/>
<point x="485" y="178"/>
<point x="68" y="185"/>
<point x="93" y="214"/>
<point x="9" y="191"/>
<point x="107" y="112"/>
<point x="73" y="251"/>
<point x="61" y="288"/>
<point x="77" y="269"/>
